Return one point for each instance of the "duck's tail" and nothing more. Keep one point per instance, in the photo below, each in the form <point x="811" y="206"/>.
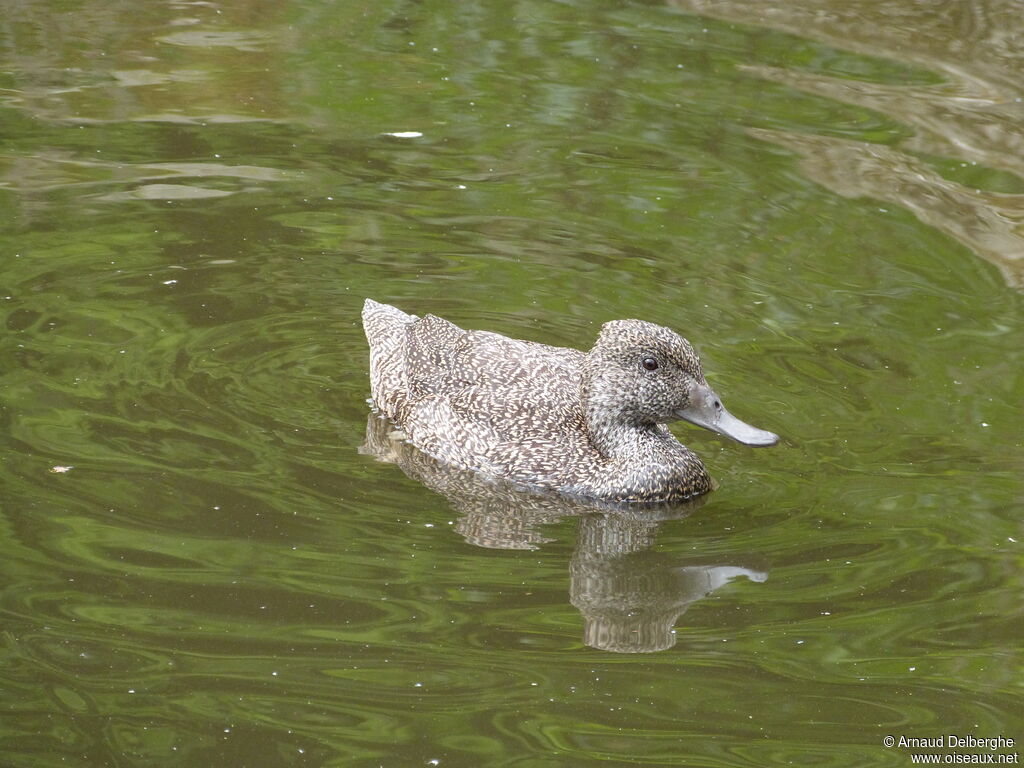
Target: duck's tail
<point x="385" y="328"/>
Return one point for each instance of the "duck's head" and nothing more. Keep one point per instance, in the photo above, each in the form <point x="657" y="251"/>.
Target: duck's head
<point x="646" y="374"/>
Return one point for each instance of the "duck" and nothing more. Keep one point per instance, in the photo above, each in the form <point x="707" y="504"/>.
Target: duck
<point x="589" y="425"/>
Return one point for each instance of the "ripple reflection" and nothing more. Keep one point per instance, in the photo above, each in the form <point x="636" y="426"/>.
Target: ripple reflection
<point x="970" y="121"/>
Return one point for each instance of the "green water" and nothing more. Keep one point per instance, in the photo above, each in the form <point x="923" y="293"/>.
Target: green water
<point x="202" y="560"/>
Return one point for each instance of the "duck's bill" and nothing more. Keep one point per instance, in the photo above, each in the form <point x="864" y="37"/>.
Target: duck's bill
<point x="706" y="410"/>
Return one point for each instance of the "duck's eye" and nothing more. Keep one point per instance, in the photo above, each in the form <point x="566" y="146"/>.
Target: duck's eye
<point x="650" y="364"/>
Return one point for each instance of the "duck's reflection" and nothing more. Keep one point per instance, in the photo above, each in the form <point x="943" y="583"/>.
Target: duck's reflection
<point x="630" y="596"/>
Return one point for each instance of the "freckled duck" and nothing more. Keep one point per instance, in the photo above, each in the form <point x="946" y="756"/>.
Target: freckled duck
<point x="584" y="424"/>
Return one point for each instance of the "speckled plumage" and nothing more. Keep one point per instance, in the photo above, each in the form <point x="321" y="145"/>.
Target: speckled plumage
<point x="589" y="425"/>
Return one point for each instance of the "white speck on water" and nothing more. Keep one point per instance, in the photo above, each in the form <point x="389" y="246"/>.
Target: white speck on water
<point x="169" y="282"/>
<point x="60" y="470"/>
<point x="404" y="134"/>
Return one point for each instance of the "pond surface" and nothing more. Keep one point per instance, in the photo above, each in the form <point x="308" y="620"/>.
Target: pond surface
<point x="210" y="555"/>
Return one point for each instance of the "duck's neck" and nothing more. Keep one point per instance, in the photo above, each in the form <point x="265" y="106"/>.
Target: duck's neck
<point x="613" y="431"/>
<point x="616" y="436"/>
<point x="645" y="462"/>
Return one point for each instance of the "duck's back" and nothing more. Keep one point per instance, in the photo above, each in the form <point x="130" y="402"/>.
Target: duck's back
<point x="477" y="399"/>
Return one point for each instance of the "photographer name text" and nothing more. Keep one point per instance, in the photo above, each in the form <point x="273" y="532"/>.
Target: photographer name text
<point x="950" y="741"/>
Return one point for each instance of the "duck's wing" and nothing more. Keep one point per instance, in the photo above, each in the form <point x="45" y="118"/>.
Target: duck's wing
<point x="441" y="358"/>
<point x="521" y="431"/>
<point x="508" y="435"/>
<point x="483" y="401"/>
